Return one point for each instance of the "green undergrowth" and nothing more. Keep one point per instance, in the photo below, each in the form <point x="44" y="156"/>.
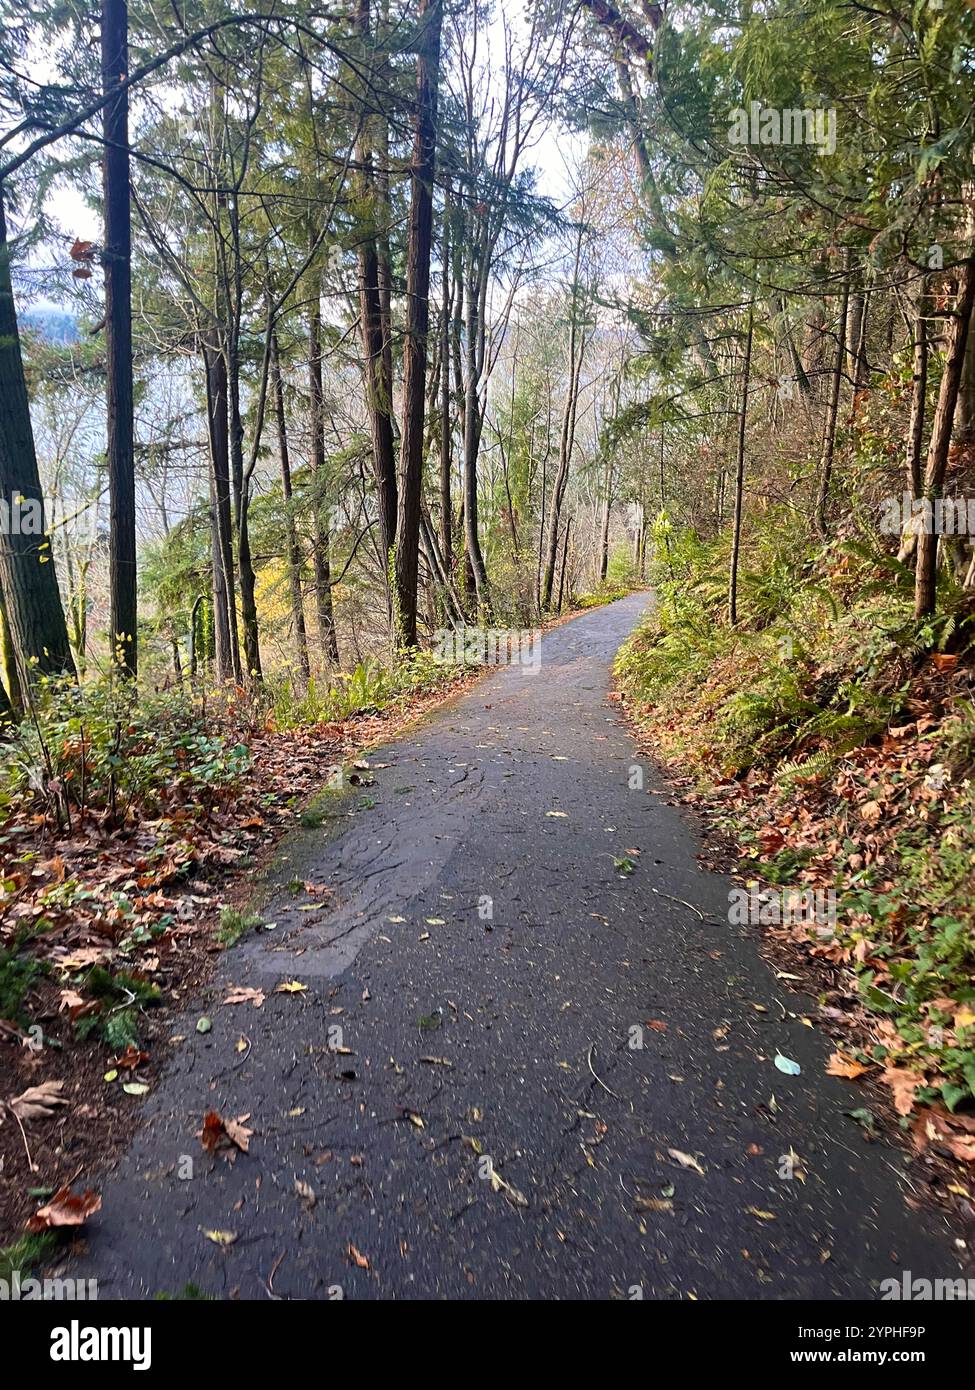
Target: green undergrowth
<point x="821" y="659"/>
<point x="25" y="1254"/>
<point x="607" y="592"/>
<point x="824" y="712"/>
<point x="369" y="689"/>
<point x="101" y="746"/>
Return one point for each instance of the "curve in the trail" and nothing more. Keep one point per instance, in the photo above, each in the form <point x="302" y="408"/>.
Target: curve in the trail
<point x="491" y="1127"/>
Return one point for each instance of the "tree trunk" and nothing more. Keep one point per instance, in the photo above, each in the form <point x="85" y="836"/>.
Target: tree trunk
<point x="567" y="437"/>
<point x="604" y="527"/>
<point x="292" y="548"/>
<point x="321" y="558"/>
<point x="375" y="349"/>
<point x="226" y="644"/>
<point x="740" y="470"/>
<point x="919" y="386"/>
<point x="117" y="258"/>
<point x="475" y="288"/>
<point x="965" y="409"/>
<point x="194" y="636"/>
<point x="419" y="244"/>
<point x="27" y="575"/>
<point x="446" y="517"/>
<point x="246" y="577"/>
<point x="836" y="383"/>
<point x="565" y="553"/>
<point x="10" y="684"/>
<point x="925" y="574"/>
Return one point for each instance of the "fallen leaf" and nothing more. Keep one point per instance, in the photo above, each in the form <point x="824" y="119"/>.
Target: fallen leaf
<point x="962" y="1146"/>
<point x="357" y="1257"/>
<point x="75" y="1003"/>
<point x="242" y="994"/>
<point x="653" y="1204"/>
<point x="686" y="1160"/>
<point x="904" y="1085"/>
<point x="498" y="1184"/>
<point x="841" y="1065"/>
<point x="307" y="1193"/>
<point x="65" y="1208"/>
<point x="218" y="1133"/>
<point x="221" y="1237"/>
<point x="131" y="1058"/>
<point x="238" y="1133"/>
<point x="38" y="1102"/>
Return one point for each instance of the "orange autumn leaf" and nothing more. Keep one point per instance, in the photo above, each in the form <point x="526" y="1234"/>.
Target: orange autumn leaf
<point x="66" y="1208"/>
<point x="132" y="1057"/>
<point x="218" y="1133"/>
<point x="841" y="1065"/>
<point x="904" y="1085"/>
<point x="212" y="1132"/>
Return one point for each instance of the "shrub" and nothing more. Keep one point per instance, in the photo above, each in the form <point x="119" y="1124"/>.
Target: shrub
<point x="94" y="745"/>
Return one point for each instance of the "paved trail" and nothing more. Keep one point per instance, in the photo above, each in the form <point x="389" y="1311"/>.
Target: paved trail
<point x="533" y="1010"/>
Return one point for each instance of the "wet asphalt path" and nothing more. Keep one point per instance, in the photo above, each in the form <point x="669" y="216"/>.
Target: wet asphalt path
<point x="477" y="918"/>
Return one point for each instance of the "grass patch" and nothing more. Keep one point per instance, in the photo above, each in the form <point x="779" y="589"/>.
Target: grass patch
<point x="234" y="923"/>
<point x="24" y="1254"/>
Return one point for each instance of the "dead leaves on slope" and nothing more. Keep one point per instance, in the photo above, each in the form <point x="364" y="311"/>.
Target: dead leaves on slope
<point x="955" y="1133"/>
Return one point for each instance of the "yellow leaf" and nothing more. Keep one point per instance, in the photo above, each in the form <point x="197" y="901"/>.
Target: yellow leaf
<point x="221" y="1237"/>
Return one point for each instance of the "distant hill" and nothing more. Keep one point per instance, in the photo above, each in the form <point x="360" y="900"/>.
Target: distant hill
<point x="53" y="324"/>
